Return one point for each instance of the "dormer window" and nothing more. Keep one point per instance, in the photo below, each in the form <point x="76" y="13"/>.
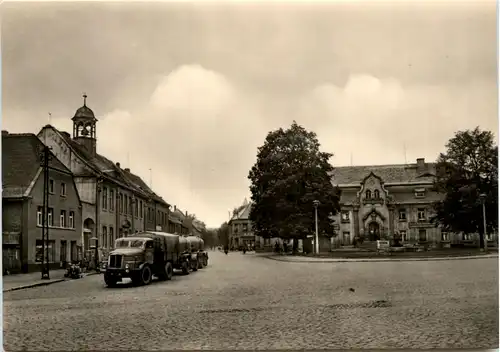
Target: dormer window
<point x="376" y="194"/>
<point x="368" y="194"/>
<point x="420" y="193"/>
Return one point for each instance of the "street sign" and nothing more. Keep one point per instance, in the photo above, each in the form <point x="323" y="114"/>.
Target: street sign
<point x="382" y="244"/>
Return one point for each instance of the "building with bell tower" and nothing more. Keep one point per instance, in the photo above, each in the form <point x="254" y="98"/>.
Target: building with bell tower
<point x="84" y="127"/>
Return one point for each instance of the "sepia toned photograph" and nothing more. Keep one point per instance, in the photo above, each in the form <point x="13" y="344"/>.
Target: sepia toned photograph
<point x="232" y="175"/>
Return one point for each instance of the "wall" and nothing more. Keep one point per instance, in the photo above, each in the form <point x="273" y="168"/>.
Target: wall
<point x="86" y="188"/>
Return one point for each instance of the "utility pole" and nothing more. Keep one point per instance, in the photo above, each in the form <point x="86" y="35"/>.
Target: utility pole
<point x="44" y="161"/>
<point x="316" y="240"/>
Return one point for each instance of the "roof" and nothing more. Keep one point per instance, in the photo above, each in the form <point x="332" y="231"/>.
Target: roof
<point x="21" y="162"/>
<point x="402" y="173"/>
<point x="242" y="212"/>
<point x="139" y="183"/>
<point x="84" y="113"/>
<point x="176" y="216"/>
<point x="100" y="163"/>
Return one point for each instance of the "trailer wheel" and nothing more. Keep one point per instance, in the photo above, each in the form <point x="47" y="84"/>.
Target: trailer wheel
<point x="194" y="264"/>
<point x="205" y="261"/>
<point x="146" y="275"/>
<point x="185" y="268"/>
<point x="169" y="271"/>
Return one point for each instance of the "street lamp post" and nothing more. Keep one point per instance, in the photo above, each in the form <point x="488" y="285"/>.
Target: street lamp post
<point x="482" y="197"/>
<point x="316" y="241"/>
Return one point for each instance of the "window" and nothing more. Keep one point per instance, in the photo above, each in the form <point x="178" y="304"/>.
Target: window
<point x="130" y="210"/>
<point x="158" y="218"/>
<point x="245" y="228"/>
<point x="140" y="209"/>
<point x="105" y="198"/>
<point x="404" y="236"/>
<point x="104" y="236"/>
<point x="62" y="218"/>
<point x="345" y="216"/>
<point x="376" y="194"/>
<point x="51" y="186"/>
<point x="445" y="236"/>
<point x="39" y="216"/>
<point x="420" y="193"/>
<point x="63" y="189"/>
<point x="111" y="200"/>
<point x="402" y="214"/>
<point x="421" y="214"/>
<point x="467" y="237"/>
<point x="111" y="237"/>
<point x="51" y="217"/>
<point x="368" y="194"/>
<point x="71" y="219"/>
<point x="422" y="235"/>
<point x="120" y="203"/>
<point x="136" y="203"/>
<point x="488" y="237"/>
<point x="50" y="251"/>
<point x="346" y="238"/>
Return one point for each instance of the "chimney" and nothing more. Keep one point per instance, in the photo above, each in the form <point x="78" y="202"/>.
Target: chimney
<point x="187" y="213"/>
<point x="118" y="165"/>
<point x="127" y="169"/>
<point x="175" y="208"/>
<point x="5" y="133"/>
<point x="421" y="165"/>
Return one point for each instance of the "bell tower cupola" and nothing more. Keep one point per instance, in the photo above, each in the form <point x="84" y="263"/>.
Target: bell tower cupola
<point x="84" y="127"/>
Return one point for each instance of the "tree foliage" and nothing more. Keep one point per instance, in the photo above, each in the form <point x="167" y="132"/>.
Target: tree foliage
<point x="223" y="234"/>
<point x="290" y="173"/>
<point x="467" y="169"/>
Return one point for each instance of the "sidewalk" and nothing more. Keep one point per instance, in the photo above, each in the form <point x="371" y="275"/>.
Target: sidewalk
<point x="22" y="281"/>
<point x="381" y="258"/>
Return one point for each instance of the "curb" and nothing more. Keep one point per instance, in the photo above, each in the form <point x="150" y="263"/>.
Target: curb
<point x="380" y="260"/>
<point x="46" y="283"/>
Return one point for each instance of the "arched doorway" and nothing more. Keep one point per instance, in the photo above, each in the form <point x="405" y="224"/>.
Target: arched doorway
<point x="374" y="231"/>
<point x="88" y="233"/>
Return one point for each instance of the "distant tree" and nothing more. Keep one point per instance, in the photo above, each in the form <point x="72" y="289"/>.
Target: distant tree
<point x="467" y="169"/>
<point x="223" y="234"/>
<point x="290" y="173"/>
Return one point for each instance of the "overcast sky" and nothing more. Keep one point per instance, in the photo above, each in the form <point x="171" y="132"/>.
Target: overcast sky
<point x="191" y="90"/>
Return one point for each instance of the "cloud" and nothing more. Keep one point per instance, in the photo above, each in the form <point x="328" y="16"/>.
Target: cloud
<point x="373" y="118"/>
<point x="199" y="130"/>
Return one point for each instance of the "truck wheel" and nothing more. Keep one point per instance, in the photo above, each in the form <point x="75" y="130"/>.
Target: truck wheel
<point x="146" y="275"/>
<point x="200" y="263"/>
<point x="169" y="271"/>
<point x="205" y="261"/>
<point x="185" y="268"/>
<point x="110" y="282"/>
<point x="194" y="264"/>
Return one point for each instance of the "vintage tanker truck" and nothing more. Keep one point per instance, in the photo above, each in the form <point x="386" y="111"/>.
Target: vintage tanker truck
<point x="145" y="254"/>
<point x="199" y="257"/>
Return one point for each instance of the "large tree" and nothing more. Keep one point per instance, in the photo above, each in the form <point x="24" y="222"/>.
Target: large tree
<point x="289" y="175"/>
<point x="223" y="235"/>
<point x="468" y="169"/>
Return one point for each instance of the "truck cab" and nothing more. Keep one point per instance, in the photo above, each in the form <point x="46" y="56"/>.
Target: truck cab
<point x="140" y="257"/>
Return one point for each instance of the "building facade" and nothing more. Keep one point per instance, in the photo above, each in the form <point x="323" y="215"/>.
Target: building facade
<point x="22" y="202"/>
<point x="115" y="202"/>
<point x="379" y="201"/>
<point x="240" y="228"/>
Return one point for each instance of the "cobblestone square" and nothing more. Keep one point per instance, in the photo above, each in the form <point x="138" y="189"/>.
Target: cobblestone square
<point x="250" y="302"/>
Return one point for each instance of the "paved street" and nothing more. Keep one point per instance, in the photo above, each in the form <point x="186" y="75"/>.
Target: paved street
<point x="246" y="301"/>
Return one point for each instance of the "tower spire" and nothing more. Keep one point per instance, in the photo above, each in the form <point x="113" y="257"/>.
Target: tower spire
<point x="84" y="99"/>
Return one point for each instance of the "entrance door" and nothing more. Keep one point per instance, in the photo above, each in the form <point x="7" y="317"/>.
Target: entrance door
<point x="63" y="251"/>
<point x="374" y="231"/>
